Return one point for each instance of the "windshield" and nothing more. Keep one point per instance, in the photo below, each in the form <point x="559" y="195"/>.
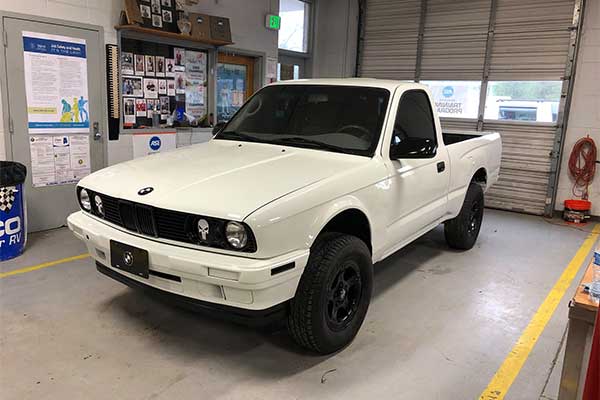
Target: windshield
<point x="344" y="119"/>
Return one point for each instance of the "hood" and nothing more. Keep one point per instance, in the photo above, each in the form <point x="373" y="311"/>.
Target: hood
<point x="220" y="178"/>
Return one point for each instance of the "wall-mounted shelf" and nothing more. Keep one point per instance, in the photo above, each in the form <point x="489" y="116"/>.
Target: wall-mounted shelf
<point x="170" y="35"/>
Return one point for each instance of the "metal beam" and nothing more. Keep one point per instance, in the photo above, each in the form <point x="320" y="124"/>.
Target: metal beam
<point x="422" y="19"/>
<point x="564" y="106"/>
<point x="486" y="64"/>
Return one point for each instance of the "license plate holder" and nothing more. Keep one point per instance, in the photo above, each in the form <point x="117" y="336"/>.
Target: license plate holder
<point x="129" y="258"/>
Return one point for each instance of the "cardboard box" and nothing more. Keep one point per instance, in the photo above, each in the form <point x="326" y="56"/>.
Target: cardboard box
<point x="200" y="26"/>
<point x="220" y="29"/>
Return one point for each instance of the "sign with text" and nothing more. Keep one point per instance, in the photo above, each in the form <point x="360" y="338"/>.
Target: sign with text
<point x="458" y="99"/>
<point x="56" y="84"/>
<point x="145" y="144"/>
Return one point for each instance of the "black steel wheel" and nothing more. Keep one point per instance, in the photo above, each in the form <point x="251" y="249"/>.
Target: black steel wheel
<point x="462" y="232"/>
<point x="333" y="294"/>
<point x="343" y="296"/>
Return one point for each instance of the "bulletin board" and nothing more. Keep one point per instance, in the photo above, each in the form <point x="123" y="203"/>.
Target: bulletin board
<point x="161" y="79"/>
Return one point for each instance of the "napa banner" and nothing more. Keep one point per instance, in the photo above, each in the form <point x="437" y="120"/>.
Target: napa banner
<point x="56" y="84"/>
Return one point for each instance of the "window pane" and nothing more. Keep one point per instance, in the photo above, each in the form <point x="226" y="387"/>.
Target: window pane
<point x="523" y="100"/>
<point x="414" y="118"/>
<point x="293" y="31"/>
<point x="231" y="89"/>
<point x="455" y="99"/>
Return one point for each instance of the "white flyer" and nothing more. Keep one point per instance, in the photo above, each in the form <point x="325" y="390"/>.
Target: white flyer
<point x="58" y="159"/>
<point x="56" y="84"/>
<point x="271" y="67"/>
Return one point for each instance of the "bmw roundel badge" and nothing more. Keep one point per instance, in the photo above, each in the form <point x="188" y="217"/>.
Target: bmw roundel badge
<point x="145" y="191"/>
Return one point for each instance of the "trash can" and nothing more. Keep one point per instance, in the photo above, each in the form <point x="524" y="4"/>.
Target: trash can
<point x="13" y="230"/>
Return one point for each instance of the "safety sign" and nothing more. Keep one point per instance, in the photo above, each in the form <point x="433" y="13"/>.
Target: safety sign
<point x="56" y="84"/>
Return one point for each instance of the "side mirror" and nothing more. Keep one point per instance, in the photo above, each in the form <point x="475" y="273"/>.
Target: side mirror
<point x="413" y="148"/>
<point x="218" y="128"/>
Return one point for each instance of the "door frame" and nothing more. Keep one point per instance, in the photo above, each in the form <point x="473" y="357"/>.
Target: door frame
<point x="5" y="96"/>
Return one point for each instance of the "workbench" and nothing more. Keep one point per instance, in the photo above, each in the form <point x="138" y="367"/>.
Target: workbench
<point x="582" y="315"/>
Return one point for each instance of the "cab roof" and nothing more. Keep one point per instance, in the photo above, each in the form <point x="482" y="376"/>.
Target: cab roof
<point x="389" y="84"/>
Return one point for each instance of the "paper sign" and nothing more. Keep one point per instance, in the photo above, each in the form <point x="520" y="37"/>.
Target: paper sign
<point x="151" y="143"/>
<point x="56" y="84"/>
<point x="271" y="68"/>
<point x="59" y="160"/>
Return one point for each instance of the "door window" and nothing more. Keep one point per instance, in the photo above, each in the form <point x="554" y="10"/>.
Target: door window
<point x="414" y="128"/>
<point x="234" y="84"/>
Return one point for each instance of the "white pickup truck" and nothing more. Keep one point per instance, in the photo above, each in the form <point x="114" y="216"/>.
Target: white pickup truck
<point x="284" y="212"/>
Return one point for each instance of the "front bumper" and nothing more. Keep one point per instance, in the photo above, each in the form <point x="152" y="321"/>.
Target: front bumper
<point x="231" y="281"/>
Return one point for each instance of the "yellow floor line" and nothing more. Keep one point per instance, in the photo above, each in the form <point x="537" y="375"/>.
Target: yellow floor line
<point x="510" y="368"/>
<point x="44" y="265"/>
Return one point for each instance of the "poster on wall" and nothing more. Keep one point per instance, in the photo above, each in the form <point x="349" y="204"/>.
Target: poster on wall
<point x="458" y="99"/>
<point x="59" y="159"/>
<point x="56" y="84"/>
<point x="145" y="144"/>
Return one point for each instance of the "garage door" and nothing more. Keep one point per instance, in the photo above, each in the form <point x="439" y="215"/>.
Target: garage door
<point x="497" y="45"/>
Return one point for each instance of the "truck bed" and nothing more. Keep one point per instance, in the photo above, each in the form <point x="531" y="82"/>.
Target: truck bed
<point x="456" y="136"/>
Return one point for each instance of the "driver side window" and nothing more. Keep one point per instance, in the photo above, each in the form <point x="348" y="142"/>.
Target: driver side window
<point x="414" y="123"/>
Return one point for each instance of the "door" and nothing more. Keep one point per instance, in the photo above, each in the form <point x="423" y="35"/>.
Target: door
<point x="66" y="147"/>
<point x="235" y="84"/>
<point x="420" y="174"/>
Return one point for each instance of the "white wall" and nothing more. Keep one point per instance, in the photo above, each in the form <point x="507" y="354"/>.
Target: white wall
<point x="247" y="20"/>
<point x="335" y="35"/>
<point x="584" y="118"/>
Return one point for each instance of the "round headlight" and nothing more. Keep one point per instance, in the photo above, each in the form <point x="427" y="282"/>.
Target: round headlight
<point x="84" y="200"/>
<point x="99" y="205"/>
<point x="236" y="235"/>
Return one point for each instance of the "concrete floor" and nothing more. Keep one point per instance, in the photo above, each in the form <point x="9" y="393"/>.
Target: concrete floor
<point x="440" y="324"/>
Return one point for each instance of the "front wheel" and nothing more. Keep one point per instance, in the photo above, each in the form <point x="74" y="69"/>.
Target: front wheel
<point x="461" y="232"/>
<point x="333" y="294"/>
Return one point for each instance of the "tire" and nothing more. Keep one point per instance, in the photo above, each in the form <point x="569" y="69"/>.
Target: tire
<point x="333" y="294"/>
<point x="461" y="232"/>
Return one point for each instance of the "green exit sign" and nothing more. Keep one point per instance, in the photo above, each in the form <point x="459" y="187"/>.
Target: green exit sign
<point x="273" y="22"/>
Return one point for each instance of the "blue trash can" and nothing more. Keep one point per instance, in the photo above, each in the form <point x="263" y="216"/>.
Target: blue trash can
<point x="13" y="230"/>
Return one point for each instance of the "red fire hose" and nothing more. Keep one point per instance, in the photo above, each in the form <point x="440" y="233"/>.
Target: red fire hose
<point x="582" y="165"/>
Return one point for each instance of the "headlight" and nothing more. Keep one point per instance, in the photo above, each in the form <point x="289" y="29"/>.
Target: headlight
<point x="99" y="205"/>
<point x="84" y="200"/>
<point x="236" y="234"/>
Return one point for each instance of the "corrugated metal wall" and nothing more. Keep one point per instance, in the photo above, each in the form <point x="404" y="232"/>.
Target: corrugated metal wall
<point x="454" y="39"/>
<point x="525" y="167"/>
<point x="528" y="40"/>
<point x="531" y="39"/>
<point x="391" y="33"/>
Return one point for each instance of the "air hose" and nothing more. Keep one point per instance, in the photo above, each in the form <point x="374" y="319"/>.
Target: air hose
<point x="582" y="165"/>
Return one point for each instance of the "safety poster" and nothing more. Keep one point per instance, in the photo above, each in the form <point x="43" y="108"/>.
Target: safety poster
<point x="56" y="84"/>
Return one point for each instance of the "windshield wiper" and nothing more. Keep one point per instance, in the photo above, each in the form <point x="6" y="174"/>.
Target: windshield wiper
<point x="312" y="143"/>
<point x="237" y="136"/>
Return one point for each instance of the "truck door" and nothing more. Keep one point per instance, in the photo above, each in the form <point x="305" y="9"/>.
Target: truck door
<point x="419" y="164"/>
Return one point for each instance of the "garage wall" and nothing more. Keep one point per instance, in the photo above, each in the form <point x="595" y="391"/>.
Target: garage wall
<point x="247" y="24"/>
<point x="584" y="118"/>
<point x="335" y="35"/>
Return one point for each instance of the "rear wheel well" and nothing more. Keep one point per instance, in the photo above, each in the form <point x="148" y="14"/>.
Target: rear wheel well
<point x="351" y="222"/>
<point x="480" y="177"/>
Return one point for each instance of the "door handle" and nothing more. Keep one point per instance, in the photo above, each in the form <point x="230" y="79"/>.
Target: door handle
<point x="96" y="131"/>
<point x="441" y="167"/>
